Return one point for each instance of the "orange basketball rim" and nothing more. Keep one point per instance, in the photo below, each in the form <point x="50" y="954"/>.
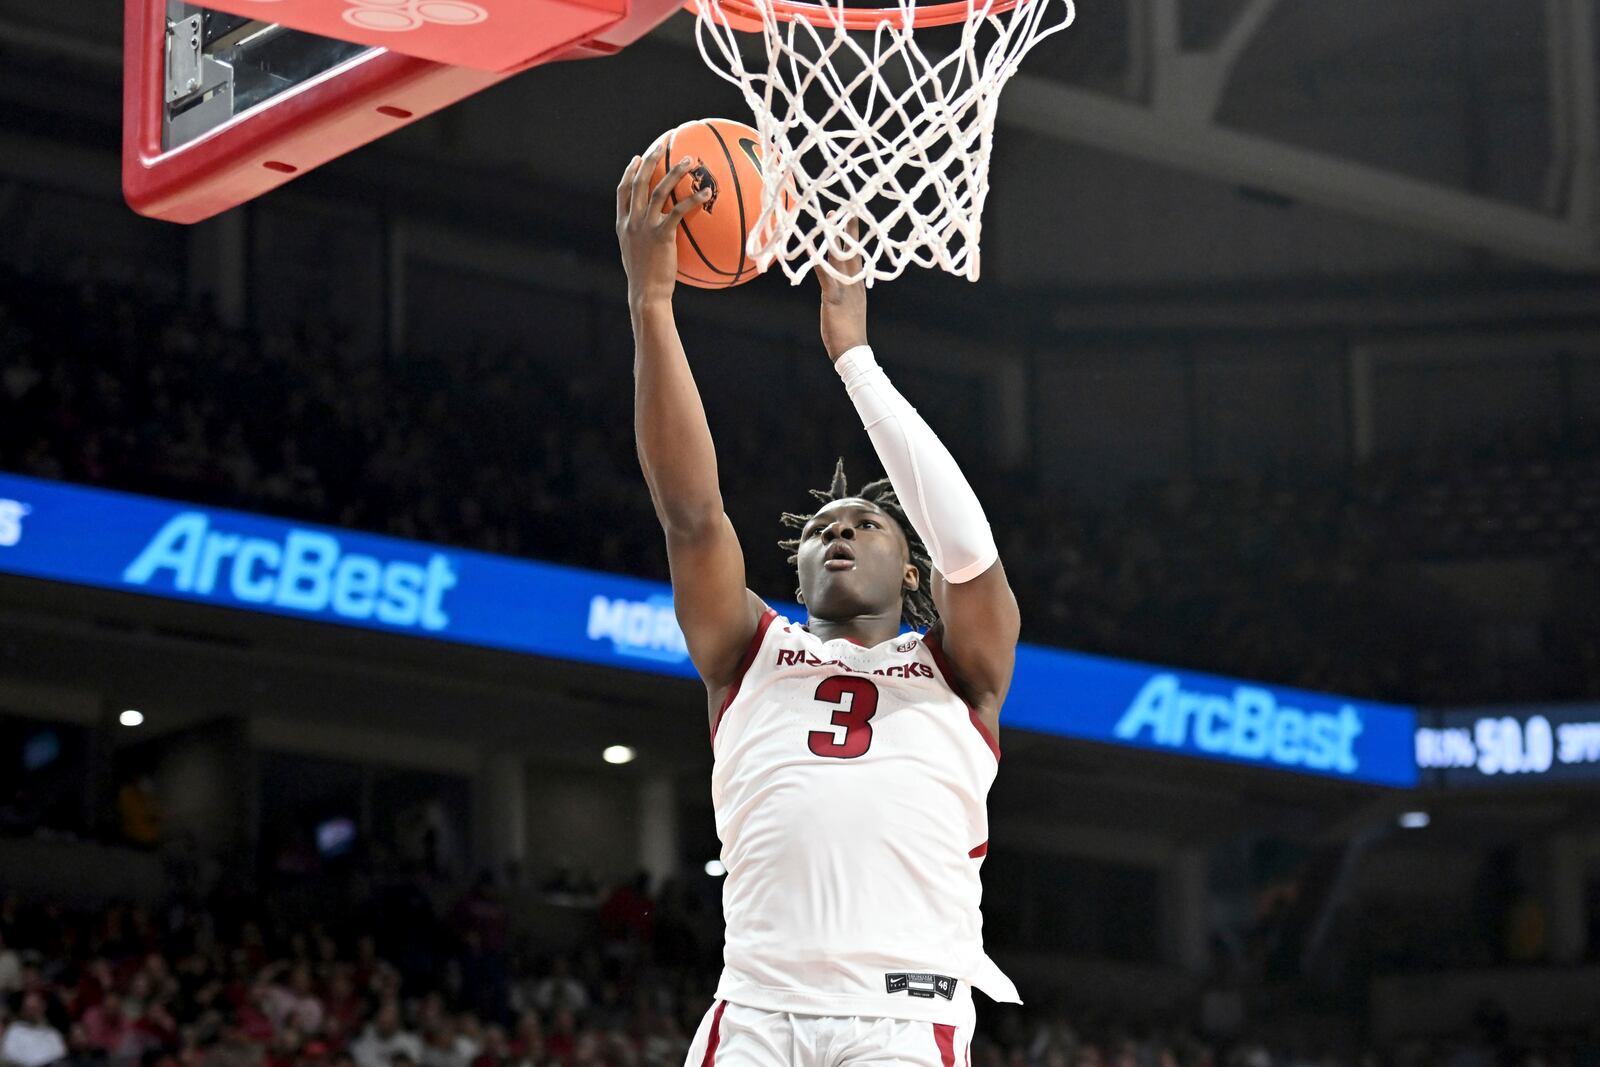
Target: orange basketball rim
<point x="744" y="15"/>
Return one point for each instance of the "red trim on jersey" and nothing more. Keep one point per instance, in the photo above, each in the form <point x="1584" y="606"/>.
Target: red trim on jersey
<point x="944" y="1035"/>
<point x="744" y="666"/>
<point x="979" y="851"/>
<point x="716" y="1036"/>
<point x="949" y="679"/>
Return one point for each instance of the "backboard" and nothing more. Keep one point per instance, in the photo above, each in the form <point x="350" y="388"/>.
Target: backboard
<point x="226" y="101"/>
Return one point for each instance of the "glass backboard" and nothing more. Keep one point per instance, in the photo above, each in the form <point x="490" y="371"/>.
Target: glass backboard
<point x="219" y="66"/>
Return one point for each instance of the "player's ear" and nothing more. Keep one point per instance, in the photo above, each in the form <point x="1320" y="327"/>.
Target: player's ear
<point x="913" y="577"/>
<point x="800" y="598"/>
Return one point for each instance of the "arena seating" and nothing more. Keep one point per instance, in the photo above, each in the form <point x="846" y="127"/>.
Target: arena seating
<point x="232" y="984"/>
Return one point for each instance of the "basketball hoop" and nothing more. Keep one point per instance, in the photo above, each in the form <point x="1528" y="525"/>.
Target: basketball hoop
<point x="873" y="128"/>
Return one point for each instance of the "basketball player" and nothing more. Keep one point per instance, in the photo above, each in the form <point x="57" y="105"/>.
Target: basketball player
<point x="852" y="764"/>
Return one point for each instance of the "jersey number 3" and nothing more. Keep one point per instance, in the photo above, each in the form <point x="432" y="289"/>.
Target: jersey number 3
<point x="860" y="700"/>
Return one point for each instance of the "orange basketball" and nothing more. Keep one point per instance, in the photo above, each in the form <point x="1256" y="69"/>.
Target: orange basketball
<point x="726" y="157"/>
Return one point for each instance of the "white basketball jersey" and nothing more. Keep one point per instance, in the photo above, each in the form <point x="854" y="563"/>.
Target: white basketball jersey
<point x="850" y="786"/>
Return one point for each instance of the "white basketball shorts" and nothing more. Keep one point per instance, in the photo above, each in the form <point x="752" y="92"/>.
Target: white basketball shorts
<point x="732" y="1035"/>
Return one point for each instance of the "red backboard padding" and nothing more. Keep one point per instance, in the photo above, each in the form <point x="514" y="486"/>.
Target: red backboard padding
<point x="323" y="119"/>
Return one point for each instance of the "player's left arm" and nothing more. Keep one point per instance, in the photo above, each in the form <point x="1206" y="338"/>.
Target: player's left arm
<point x="979" y="620"/>
<point x="978" y="628"/>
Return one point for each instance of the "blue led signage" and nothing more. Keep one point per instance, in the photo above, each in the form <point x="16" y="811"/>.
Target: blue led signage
<point x="1196" y="714"/>
<point x="231" y="559"/>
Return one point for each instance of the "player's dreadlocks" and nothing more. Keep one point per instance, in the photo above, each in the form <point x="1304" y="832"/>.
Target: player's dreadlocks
<point x="916" y="605"/>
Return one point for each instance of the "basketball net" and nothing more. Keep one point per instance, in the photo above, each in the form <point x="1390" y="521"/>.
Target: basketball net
<point x="865" y="124"/>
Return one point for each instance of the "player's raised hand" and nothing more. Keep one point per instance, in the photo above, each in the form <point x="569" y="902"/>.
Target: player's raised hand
<point x="844" y="307"/>
<point x="647" y="233"/>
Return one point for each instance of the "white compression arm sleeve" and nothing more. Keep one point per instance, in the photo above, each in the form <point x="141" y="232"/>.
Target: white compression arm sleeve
<point x="942" y="507"/>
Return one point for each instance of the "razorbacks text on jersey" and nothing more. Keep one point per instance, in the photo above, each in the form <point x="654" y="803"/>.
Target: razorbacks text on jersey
<point x="850" y="788"/>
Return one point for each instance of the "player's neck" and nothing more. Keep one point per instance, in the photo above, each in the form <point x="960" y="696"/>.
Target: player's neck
<point x="866" y="630"/>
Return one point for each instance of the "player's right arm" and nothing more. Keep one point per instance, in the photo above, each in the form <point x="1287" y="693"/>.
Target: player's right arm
<point x="717" y="613"/>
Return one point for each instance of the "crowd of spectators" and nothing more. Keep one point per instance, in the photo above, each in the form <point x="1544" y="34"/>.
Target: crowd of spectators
<point x="236" y="986"/>
<point x="1320" y="585"/>
<point x="1328" y="586"/>
<point x="231" y="987"/>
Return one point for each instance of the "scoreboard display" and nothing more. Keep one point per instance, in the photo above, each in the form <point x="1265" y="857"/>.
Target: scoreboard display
<point x="1482" y="746"/>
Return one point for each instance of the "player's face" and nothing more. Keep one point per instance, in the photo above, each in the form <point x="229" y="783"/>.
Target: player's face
<point x="853" y="560"/>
